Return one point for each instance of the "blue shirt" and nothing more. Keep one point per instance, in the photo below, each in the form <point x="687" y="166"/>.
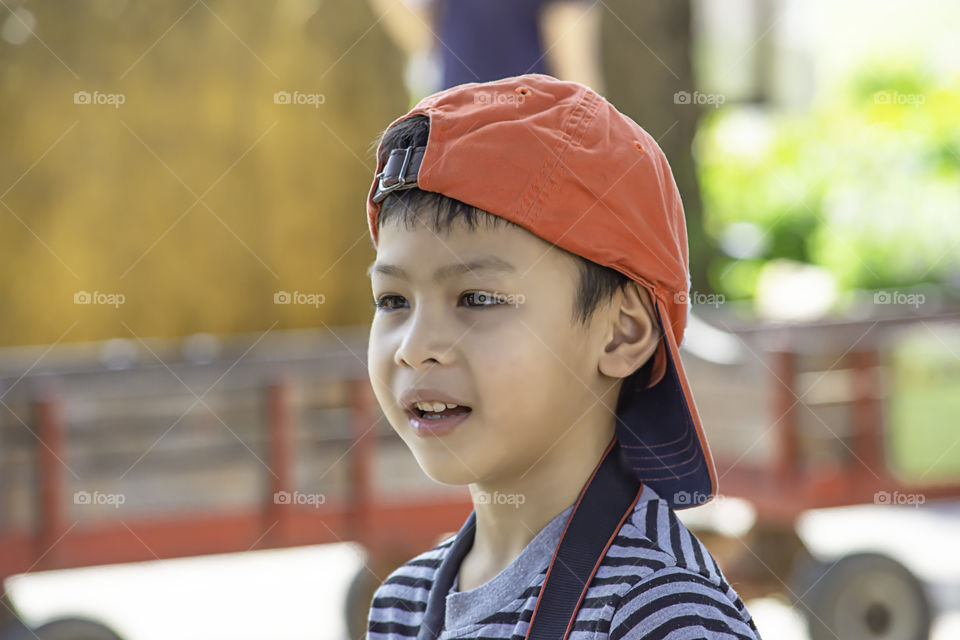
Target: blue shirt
<point x="482" y="40"/>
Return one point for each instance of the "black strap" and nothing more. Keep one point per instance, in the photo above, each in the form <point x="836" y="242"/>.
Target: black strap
<point x="605" y="502"/>
<point x="400" y="171"/>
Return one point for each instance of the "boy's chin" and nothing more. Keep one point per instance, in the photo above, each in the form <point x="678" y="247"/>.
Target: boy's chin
<point x="450" y="471"/>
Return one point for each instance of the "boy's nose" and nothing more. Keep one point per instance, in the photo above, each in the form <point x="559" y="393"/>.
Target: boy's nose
<point x="429" y="340"/>
<point x="415" y="356"/>
<point x="424" y="343"/>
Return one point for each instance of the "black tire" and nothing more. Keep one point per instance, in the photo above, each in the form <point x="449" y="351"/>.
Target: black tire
<point x="15" y="629"/>
<point x="75" y="629"/>
<point x="357" y="604"/>
<point x="863" y="596"/>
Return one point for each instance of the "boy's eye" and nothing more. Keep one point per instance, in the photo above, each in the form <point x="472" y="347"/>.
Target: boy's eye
<point x="383" y="302"/>
<point x="477" y="299"/>
<point x="482" y="298"/>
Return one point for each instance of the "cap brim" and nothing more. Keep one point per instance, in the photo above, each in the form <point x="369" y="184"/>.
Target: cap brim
<point x="660" y="433"/>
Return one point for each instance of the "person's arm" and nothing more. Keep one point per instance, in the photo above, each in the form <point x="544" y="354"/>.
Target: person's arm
<point x="570" y="31"/>
<point x="408" y="23"/>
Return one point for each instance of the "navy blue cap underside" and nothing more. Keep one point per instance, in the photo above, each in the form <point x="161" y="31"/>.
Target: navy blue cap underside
<point x="659" y="440"/>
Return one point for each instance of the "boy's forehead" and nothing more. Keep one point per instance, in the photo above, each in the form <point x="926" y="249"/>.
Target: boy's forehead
<point x="473" y="264"/>
<point x="423" y="252"/>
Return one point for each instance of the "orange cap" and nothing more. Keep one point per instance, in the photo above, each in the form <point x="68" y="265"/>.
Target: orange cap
<point x="559" y="160"/>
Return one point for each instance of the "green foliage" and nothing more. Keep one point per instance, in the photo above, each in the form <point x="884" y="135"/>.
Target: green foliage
<point x="923" y="403"/>
<point x="866" y="184"/>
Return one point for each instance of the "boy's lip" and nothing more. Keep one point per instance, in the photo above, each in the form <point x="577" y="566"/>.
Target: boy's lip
<point x="426" y="428"/>
<point x="410" y="397"/>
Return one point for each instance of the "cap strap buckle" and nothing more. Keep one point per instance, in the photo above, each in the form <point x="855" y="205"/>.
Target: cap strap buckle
<point x="400" y="172"/>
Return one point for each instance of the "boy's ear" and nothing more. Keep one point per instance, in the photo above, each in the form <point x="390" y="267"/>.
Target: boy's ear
<point x="632" y="333"/>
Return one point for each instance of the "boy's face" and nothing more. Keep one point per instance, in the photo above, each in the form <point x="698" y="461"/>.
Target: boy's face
<point x="528" y="372"/>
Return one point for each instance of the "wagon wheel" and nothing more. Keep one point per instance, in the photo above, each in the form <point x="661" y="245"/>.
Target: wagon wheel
<point x="362" y="587"/>
<point x="864" y="596"/>
<point x="357" y="605"/>
<point x="15" y="629"/>
<point x="74" y="629"/>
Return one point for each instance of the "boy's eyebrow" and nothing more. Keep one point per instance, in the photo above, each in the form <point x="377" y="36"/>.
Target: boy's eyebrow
<point x="484" y="263"/>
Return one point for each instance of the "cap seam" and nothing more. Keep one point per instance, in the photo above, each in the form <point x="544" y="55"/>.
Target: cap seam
<point x="582" y="113"/>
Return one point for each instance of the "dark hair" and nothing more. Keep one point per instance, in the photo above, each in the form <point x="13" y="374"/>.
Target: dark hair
<point x="597" y="283"/>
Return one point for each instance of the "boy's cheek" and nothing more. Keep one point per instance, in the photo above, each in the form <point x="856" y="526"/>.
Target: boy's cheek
<point x="378" y="372"/>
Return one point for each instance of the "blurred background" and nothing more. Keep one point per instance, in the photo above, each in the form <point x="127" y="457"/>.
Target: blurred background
<point x="188" y="443"/>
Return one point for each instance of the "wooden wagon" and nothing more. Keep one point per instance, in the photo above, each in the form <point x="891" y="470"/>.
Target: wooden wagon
<point x="133" y="450"/>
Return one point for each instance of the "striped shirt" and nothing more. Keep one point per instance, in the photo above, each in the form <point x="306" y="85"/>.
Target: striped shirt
<point x="656" y="582"/>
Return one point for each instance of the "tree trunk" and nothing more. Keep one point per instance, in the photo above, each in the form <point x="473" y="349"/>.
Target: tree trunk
<point x="646" y="53"/>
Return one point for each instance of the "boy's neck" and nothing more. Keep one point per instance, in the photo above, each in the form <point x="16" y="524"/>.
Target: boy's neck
<point x="512" y="512"/>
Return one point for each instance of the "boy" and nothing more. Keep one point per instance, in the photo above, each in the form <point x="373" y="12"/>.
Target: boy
<point x="531" y="288"/>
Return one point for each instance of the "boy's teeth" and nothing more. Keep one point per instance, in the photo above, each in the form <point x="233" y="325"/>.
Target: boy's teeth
<point x="435" y="406"/>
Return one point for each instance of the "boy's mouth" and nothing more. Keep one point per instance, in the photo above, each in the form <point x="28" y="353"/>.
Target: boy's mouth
<point x="437" y="421"/>
<point x="425" y="402"/>
<point x="439" y="415"/>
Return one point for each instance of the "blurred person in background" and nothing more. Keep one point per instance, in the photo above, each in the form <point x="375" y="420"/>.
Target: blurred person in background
<point x="453" y="42"/>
